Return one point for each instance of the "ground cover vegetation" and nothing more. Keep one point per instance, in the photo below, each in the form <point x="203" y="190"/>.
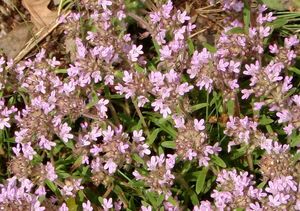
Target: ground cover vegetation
<point x="149" y="105"/>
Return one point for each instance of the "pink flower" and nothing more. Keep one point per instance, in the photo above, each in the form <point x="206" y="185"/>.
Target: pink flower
<point x="264" y="31"/>
<point x="121" y="15"/>
<point x="166" y="9"/>
<point x="199" y="124"/>
<point x="101" y="107"/>
<point x="87" y="206"/>
<point x="108" y="134"/>
<point x="135" y="52"/>
<point x="63" y="207"/>
<point x="204" y="206"/>
<point x="258" y="105"/>
<point x="28" y="151"/>
<point x="137" y="175"/>
<point x="144" y="208"/>
<point x="246" y="93"/>
<point x="109" y="80"/>
<point x="45" y="143"/>
<point x="159" y="105"/>
<point x="255" y="207"/>
<point x="179" y="33"/>
<point x="274" y="48"/>
<point x="190" y="154"/>
<point x="41" y="191"/>
<point x="274" y="201"/>
<point x="81" y="50"/>
<point x="234" y="66"/>
<point x="184" y="88"/>
<point x="51" y="175"/>
<point x="154" y="17"/>
<point x="233" y="84"/>
<point x="288" y="129"/>
<point x="64" y="130"/>
<point x="296" y="99"/>
<point x="284" y="116"/>
<point x="122" y="147"/>
<point x="222" y="65"/>
<point x="182" y="17"/>
<point x="53" y="62"/>
<point x="286" y="86"/>
<point x="107" y="204"/>
<point x="104" y="3"/>
<point x="110" y="166"/>
<point x="138" y="136"/>
<point x="291" y="41"/>
<point x="142" y="100"/>
<point x="4" y="123"/>
<point x="179" y="121"/>
<point x="143" y="150"/>
<point x="165" y="53"/>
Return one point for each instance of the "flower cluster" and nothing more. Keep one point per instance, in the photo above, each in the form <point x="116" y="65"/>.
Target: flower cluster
<point x="191" y="142"/>
<point x="159" y="176"/>
<point x="129" y="113"/>
<point x="19" y="195"/>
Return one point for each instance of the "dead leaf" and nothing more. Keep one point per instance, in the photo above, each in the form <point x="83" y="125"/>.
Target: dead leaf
<point x="70" y="46"/>
<point x="56" y="2"/>
<point x="13" y="42"/>
<point x="41" y="16"/>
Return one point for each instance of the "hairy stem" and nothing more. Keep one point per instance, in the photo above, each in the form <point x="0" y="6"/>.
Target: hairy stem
<point x="145" y="127"/>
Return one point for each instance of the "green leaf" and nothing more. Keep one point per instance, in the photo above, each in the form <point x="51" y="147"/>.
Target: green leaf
<point x="153" y="136"/>
<point x="52" y="187"/>
<point x="172" y="200"/>
<point x="93" y="101"/>
<point x="218" y="161"/>
<point x="190" y="46"/>
<point x="100" y="199"/>
<point x="198" y="106"/>
<point x="295" y="140"/>
<point x="239" y="152"/>
<point x="169" y="144"/>
<point x="81" y="196"/>
<point x="156" y="46"/>
<point x="262" y="184"/>
<point x="71" y="203"/>
<point x="296" y="157"/>
<point x="120" y="193"/>
<point x="269" y="129"/>
<point x="246" y="16"/>
<point x="230" y="107"/>
<point x="138" y="68"/>
<point x="77" y="163"/>
<point x="69" y="144"/>
<point x="209" y="47"/>
<point x="155" y="199"/>
<point x="278" y="23"/>
<point x="295" y="70"/>
<point x="265" y="120"/>
<point x="119" y="74"/>
<point x="193" y="197"/>
<point x="201" y="180"/>
<point x="275" y="4"/>
<point x="236" y="30"/>
<point x="57" y="149"/>
<point x="138" y="159"/>
<point x="164" y="125"/>
<point x="60" y="71"/>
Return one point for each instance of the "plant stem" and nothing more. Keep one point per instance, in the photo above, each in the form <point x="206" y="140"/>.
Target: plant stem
<point x="250" y="161"/>
<point x="114" y="113"/>
<point x="146" y="130"/>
